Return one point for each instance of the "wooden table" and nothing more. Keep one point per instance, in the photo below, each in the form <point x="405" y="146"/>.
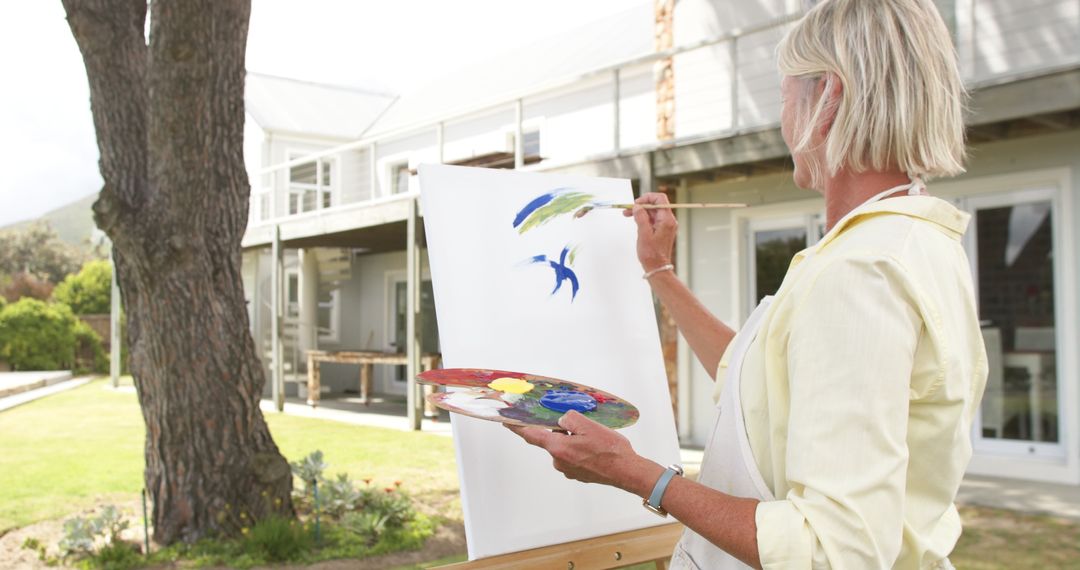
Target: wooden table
<point x="366" y="360"/>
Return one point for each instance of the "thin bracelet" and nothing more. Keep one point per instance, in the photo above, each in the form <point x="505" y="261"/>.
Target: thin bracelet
<point x="668" y="267"/>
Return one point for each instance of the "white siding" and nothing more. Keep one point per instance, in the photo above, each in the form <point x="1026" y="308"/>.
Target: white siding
<point x="703" y="89"/>
<point x="574" y="124"/>
<point x="637" y="106"/>
<point x="1005" y="37"/>
<point x="355" y="175"/>
<point x="704" y="77"/>
<point x="478" y="135"/>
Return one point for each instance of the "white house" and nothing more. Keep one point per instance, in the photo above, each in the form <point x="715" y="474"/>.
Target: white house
<point x="700" y="119"/>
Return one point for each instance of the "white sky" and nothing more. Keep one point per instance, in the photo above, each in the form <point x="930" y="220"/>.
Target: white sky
<point x="48" y="153"/>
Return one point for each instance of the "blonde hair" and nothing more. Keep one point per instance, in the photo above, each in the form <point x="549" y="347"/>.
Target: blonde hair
<point x="903" y="100"/>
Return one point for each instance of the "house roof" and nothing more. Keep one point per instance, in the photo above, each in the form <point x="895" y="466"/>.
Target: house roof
<point x="290" y="105"/>
<point x="621" y="36"/>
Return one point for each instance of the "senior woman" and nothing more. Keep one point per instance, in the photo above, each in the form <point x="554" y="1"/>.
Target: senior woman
<point x="845" y="401"/>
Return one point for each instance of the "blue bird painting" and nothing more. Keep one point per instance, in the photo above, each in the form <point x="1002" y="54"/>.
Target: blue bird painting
<point x="562" y="270"/>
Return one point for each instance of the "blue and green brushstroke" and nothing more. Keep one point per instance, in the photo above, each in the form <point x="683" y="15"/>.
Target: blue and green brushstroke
<point x="543" y="209"/>
<point x="549" y="206"/>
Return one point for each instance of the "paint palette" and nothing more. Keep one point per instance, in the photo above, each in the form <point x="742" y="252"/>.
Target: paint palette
<point x="523" y="399"/>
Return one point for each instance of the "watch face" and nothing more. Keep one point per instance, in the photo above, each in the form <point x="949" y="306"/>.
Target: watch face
<point x="654" y="510"/>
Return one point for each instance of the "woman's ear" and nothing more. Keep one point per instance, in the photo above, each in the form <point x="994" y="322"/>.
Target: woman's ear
<point x="832" y="89"/>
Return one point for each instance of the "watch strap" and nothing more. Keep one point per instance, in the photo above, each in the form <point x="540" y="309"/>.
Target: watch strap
<point x="658" y="490"/>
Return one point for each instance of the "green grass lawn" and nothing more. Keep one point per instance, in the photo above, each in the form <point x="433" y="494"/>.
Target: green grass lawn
<point x="72" y="450"/>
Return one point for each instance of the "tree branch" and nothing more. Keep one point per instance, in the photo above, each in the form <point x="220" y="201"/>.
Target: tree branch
<point x="110" y="35"/>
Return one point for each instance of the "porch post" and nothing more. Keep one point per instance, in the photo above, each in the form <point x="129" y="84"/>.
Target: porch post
<point x="114" y="331"/>
<point x="277" y="370"/>
<point x="412" y="321"/>
<point x="519" y="145"/>
<point x="309" y="301"/>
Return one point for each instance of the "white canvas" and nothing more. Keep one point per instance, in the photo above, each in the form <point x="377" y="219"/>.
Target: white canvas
<point x="495" y="310"/>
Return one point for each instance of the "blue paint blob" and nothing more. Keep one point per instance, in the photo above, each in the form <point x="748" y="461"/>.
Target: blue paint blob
<point x="566" y="400"/>
<point x="532" y="206"/>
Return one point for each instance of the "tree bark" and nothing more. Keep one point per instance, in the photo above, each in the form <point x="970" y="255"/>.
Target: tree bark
<point x="169" y="117"/>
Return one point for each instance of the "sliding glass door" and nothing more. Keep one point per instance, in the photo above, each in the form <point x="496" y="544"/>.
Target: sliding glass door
<point x="1011" y="245"/>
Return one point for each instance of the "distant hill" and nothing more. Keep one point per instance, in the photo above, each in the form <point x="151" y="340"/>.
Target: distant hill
<point x="74" y="223"/>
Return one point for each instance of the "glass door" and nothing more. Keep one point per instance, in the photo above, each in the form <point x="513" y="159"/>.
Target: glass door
<point x="771" y="245"/>
<point x="1011" y="245"/>
<point x="429" y="329"/>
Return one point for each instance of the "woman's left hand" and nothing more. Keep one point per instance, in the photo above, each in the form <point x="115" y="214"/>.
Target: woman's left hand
<point x="591" y="452"/>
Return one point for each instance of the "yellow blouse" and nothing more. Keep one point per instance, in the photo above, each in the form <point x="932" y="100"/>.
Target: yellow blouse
<point x="860" y="390"/>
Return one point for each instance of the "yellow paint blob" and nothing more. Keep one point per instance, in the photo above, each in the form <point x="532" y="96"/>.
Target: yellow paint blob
<point x="511" y="385"/>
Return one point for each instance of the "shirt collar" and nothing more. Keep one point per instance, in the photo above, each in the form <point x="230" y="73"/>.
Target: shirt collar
<point x="927" y="208"/>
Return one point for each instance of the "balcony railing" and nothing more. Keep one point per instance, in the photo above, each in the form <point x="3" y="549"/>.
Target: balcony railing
<point x="724" y="85"/>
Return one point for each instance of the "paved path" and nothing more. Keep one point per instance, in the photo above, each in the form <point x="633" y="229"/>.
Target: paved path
<point x="1023" y="496"/>
<point x="15" y="382"/>
<point x="400" y="423"/>
<point x="57" y="386"/>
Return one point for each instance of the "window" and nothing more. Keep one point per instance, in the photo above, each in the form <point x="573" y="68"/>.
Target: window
<point x="1012" y="250"/>
<point x="329" y="313"/>
<point x="327" y="309"/>
<point x="311" y="184"/>
<point x="292" y="293"/>
<point x="530" y="145"/>
<point x="771" y="245"/>
<point x="400" y="182"/>
<point x="530" y="141"/>
<point x="429" y="328"/>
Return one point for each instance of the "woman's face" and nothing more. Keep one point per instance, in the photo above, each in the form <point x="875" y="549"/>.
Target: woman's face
<point x="795" y="105"/>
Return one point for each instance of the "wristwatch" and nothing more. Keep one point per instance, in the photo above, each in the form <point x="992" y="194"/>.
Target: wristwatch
<point x="652" y="502"/>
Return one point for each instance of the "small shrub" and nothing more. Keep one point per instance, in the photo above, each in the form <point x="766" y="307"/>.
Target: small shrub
<point x="339" y="496"/>
<point x="277" y="539"/>
<point x="309" y="469"/>
<point x="37" y="336"/>
<point x="89" y="353"/>
<point x="27" y="285"/>
<point x="392" y="502"/>
<point x="117" y="555"/>
<point x="112" y="523"/>
<point x="79" y="536"/>
<point x="368" y="525"/>
<point x="88" y="292"/>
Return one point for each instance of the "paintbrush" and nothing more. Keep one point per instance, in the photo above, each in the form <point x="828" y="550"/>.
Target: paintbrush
<point x="586" y="209"/>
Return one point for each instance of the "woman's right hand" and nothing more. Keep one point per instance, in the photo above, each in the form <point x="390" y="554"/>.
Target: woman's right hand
<point x="656" y="231"/>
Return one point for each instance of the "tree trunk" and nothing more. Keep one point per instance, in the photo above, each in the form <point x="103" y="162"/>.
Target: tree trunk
<point x="169" y="118"/>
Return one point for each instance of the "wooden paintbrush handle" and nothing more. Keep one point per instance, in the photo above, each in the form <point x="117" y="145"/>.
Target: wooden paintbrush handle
<point x="675" y="206"/>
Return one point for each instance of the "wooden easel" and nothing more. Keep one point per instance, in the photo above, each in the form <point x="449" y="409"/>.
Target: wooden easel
<point x="654" y="544"/>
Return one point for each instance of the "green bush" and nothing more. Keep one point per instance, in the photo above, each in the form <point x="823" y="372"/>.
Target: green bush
<point x="35" y="335"/>
<point x="117" y="555"/>
<point x="89" y="353"/>
<point x="278" y="539"/>
<point x="88" y="292"/>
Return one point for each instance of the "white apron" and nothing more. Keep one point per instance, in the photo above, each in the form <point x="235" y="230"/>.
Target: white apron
<point x="728" y="465"/>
